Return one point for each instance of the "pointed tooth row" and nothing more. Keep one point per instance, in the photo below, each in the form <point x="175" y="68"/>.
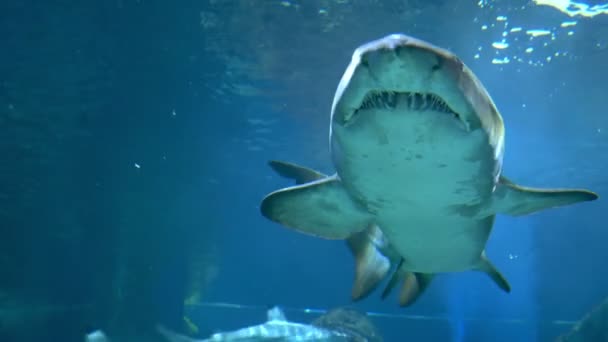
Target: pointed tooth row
<point x="385" y="99"/>
<point x="414" y="101"/>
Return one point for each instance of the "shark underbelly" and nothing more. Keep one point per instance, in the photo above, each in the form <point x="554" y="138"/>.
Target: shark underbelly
<point x="430" y="242"/>
<point x="423" y="178"/>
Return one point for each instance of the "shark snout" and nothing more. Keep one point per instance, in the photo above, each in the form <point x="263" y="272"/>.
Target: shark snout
<point x="402" y="67"/>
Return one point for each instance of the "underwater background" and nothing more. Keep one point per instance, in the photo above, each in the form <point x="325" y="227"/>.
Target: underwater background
<point x="135" y="136"/>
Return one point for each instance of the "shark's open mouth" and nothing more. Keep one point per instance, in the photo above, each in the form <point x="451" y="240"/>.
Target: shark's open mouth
<point x="411" y="100"/>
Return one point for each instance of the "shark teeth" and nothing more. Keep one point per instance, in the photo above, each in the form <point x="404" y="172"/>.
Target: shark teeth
<point x="413" y="101"/>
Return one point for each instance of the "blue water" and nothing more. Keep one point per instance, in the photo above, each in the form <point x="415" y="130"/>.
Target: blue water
<point x="136" y="136"/>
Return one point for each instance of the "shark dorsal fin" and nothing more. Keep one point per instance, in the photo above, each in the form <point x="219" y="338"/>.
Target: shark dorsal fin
<point x="276" y="314"/>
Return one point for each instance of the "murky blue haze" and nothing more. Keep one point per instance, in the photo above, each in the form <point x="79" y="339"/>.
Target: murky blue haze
<point x="135" y="136"/>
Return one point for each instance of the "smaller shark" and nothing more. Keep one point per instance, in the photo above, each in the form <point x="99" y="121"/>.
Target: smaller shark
<point x="277" y="328"/>
<point x="374" y="257"/>
<point x="96" y="336"/>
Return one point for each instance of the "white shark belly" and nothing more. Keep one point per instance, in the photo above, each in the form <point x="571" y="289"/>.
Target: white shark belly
<point x="431" y="242"/>
<point x="420" y="175"/>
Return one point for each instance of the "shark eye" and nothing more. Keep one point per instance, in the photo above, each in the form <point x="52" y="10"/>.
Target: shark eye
<point x="399" y="50"/>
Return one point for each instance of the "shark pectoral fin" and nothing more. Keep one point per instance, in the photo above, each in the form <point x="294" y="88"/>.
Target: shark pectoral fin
<point x="414" y="284"/>
<point x="488" y="268"/>
<point x="321" y="208"/>
<point x="512" y="199"/>
<point x="371" y="266"/>
<point x="296" y="172"/>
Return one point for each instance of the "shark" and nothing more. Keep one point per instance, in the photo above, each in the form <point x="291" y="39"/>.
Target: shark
<point x="96" y="336"/>
<point x="417" y="144"/>
<point x="277" y="328"/>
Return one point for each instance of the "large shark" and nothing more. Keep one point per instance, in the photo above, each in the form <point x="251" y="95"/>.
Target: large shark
<point x="277" y="328"/>
<point x="417" y="144"/>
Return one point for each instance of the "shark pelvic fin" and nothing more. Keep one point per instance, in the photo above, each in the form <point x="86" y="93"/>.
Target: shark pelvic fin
<point x="414" y="284"/>
<point x="515" y="200"/>
<point x="321" y="208"/>
<point x="371" y="266"/>
<point x="486" y="266"/>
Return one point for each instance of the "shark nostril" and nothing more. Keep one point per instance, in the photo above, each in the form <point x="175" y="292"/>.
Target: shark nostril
<point x="399" y="50"/>
<point x="438" y="64"/>
<point x="364" y="61"/>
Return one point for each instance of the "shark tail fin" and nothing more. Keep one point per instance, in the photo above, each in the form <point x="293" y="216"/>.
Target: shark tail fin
<point x="371" y="266"/>
<point x="413" y="285"/>
<point x="486" y="266"/>
<point x="515" y="200"/>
